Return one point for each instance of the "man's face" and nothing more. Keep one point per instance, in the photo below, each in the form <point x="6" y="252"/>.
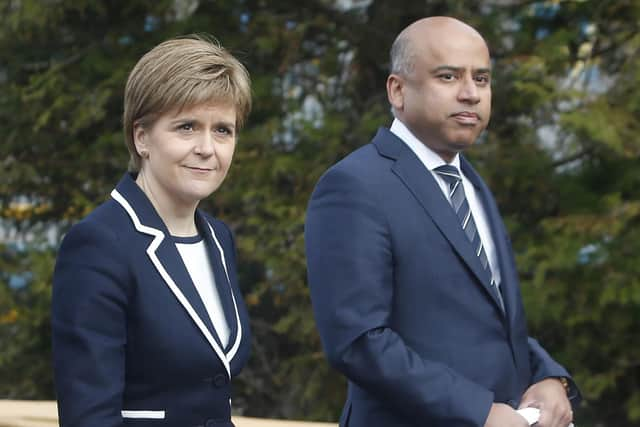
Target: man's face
<point x="446" y="98"/>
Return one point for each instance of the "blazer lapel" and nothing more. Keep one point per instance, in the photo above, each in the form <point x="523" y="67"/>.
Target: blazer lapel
<point x="171" y="260"/>
<point x="230" y="306"/>
<point x="222" y="281"/>
<point x="166" y="259"/>
<point x="509" y="279"/>
<point x="425" y="189"/>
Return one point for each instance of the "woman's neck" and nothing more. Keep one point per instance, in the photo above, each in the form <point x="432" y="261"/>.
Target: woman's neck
<point x="179" y="219"/>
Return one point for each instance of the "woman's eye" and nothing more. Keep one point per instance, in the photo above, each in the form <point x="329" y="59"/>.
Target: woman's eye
<point x="224" y="130"/>
<point x="188" y="127"/>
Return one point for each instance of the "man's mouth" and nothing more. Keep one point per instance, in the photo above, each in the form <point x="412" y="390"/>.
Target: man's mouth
<point x="467" y="114"/>
<point x="466" y="117"/>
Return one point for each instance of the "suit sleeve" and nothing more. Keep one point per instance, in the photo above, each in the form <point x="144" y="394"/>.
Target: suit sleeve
<point x="351" y="277"/>
<point x="543" y="366"/>
<point x="89" y="328"/>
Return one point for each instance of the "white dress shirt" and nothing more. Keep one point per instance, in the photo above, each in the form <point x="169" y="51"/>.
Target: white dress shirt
<point x="432" y="160"/>
<point x="195" y="257"/>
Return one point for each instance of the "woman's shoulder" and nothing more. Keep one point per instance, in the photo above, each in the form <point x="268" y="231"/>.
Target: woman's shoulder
<point x="105" y="223"/>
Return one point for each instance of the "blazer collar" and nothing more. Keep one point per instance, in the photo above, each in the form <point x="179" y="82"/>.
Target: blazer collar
<point x="425" y="189"/>
<point x="140" y="203"/>
<point x="166" y="259"/>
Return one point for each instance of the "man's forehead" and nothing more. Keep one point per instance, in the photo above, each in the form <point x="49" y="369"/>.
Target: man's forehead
<point x="462" y="56"/>
<point x="443" y="36"/>
<point x="437" y="26"/>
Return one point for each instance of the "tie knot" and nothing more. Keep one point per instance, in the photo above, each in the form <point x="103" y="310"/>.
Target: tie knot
<point x="449" y="173"/>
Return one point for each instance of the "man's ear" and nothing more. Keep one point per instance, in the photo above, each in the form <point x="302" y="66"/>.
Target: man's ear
<point x="395" y="93"/>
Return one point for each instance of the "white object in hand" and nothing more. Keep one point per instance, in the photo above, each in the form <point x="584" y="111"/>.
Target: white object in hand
<point x="532" y="415"/>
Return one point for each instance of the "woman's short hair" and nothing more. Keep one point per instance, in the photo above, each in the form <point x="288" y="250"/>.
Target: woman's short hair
<point x="178" y="73"/>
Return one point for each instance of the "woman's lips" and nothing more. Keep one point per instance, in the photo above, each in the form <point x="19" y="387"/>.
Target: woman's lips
<point x="199" y="169"/>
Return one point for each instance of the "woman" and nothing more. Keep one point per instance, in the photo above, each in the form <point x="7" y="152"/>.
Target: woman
<point x="148" y="322"/>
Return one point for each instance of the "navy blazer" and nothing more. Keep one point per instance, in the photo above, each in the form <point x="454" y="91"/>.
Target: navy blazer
<point x="403" y="306"/>
<point x="132" y="341"/>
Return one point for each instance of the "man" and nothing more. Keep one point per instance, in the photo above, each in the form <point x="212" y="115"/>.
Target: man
<point x="411" y="271"/>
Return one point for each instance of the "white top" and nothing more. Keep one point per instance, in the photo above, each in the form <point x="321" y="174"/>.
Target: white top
<point x="432" y="160"/>
<point x="195" y="257"/>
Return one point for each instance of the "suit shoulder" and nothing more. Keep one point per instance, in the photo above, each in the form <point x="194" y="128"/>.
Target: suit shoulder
<point x="361" y="169"/>
<point x="360" y="160"/>
<point x="360" y="165"/>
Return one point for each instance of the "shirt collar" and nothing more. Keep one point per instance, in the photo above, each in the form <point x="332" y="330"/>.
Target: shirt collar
<point x="427" y="156"/>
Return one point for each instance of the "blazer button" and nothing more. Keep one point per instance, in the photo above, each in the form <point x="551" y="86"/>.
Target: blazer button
<point x="220" y="380"/>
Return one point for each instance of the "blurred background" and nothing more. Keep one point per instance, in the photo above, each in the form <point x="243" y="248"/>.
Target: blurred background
<point x="561" y="155"/>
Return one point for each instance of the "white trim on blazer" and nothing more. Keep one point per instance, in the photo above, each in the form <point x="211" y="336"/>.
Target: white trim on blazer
<point x="236" y="344"/>
<point x="154" y="415"/>
<point x="158" y="238"/>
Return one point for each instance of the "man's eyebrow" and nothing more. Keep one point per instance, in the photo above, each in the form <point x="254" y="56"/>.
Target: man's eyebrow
<point x="447" y="68"/>
<point x="482" y="71"/>
<point x="455" y="69"/>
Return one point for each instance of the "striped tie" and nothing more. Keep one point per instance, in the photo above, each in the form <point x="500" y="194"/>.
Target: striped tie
<point x="451" y="175"/>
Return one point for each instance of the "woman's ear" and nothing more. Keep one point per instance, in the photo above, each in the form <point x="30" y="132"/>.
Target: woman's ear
<point x="140" y="139"/>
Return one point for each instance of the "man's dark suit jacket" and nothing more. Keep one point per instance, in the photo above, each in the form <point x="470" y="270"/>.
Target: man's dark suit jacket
<point x="402" y="303"/>
<point x="133" y="344"/>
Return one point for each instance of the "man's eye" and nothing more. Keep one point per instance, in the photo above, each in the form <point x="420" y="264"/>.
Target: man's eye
<point x="188" y="127"/>
<point x="482" y="79"/>
<point x="447" y="77"/>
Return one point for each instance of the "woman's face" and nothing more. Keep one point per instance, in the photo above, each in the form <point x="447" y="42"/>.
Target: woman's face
<point x="186" y="154"/>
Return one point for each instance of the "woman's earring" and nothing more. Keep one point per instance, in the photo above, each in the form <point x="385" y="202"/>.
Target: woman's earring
<point x="144" y="154"/>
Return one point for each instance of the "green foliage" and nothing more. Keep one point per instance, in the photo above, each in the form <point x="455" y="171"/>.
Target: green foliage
<point x="25" y="336"/>
<point x="561" y="156"/>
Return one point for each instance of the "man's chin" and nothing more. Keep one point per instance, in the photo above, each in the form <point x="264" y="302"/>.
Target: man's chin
<point x="461" y="145"/>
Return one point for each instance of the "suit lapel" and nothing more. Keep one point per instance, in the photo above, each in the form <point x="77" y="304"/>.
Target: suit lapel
<point x="425" y="189"/>
<point x="508" y="274"/>
<point x="166" y="259"/>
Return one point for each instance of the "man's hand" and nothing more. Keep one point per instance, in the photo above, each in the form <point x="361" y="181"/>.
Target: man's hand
<point x="502" y="415"/>
<point x="550" y="397"/>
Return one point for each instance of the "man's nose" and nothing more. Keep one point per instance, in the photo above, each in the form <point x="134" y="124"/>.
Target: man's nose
<point x="469" y="91"/>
